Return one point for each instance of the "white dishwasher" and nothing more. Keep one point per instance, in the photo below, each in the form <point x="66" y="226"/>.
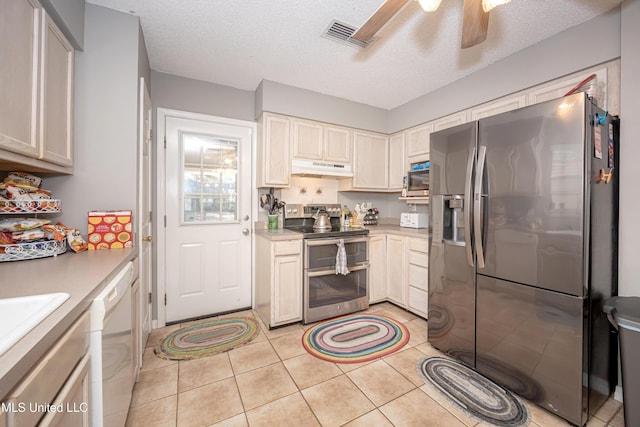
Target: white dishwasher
<point x="110" y="347"/>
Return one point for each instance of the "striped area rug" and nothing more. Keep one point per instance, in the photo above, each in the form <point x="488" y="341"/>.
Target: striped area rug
<point x="355" y="339"/>
<point x="477" y="396"/>
<point x="207" y="338"/>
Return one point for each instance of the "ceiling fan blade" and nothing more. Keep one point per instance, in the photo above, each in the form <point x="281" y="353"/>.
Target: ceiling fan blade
<point x="475" y="23"/>
<point x="381" y="16"/>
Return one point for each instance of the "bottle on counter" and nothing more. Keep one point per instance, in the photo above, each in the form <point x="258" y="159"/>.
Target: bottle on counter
<point x="345" y="217"/>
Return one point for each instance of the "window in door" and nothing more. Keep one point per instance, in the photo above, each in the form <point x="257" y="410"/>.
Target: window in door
<point x="210" y="179"/>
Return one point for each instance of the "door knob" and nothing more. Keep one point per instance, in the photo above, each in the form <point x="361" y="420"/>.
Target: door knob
<point x="245" y="231"/>
<point x="147" y="238"/>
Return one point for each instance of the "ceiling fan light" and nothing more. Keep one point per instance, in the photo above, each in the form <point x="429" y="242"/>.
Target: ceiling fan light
<point x="429" y="5"/>
<point x="487" y="5"/>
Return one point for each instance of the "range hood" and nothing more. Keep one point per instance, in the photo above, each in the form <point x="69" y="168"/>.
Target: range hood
<point x="320" y="168"/>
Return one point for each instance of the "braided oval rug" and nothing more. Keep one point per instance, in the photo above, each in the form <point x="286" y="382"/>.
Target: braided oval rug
<point x="355" y="339"/>
<point x="474" y="394"/>
<point x="207" y="338"/>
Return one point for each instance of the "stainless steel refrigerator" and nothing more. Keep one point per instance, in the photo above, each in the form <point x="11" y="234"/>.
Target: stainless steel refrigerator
<point x="523" y="251"/>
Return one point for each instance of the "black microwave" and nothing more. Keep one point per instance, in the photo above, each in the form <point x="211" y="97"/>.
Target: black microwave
<point x="418" y="182"/>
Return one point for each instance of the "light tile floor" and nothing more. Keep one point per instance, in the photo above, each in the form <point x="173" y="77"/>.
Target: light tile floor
<point x="272" y="381"/>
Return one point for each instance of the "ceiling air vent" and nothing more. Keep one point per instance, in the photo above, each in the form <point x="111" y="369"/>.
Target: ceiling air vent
<point x="342" y="32"/>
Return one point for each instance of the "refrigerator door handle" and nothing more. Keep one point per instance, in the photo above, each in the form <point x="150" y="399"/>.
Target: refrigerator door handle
<point x="477" y="200"/>
<point x="468" y="195"/>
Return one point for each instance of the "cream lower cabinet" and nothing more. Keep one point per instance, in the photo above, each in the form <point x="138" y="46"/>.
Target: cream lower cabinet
<point x="418" y="276"/>
<point x="60" y="378"/>
<point x="73" y="399"/>
<point x="136" y="330"/>
<point x="377" y="268"/>
<point x="278" y="281"/>
<point x="397" y="270"/>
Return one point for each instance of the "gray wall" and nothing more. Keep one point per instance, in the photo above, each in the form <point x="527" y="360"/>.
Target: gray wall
<point x="583" y="46"/>
<point x="69" y="16"/>
<point x="196" y="96"/>
<point x="144" y="69"/>
<point x="279" y="98"/>
<point x="106" y="119"/>
<point x="629" y="274"/>
<point x="609" y="36"/>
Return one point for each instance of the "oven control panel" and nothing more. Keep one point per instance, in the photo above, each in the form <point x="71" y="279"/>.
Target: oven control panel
<point x="308" y="211"/>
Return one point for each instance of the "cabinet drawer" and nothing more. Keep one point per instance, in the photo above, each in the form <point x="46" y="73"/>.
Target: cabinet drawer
<point x="419" y="277"/>
<point x="419" y="258"/>
<point x="73" y="398"/>
<point x="290" y="247"/>
<point x="420" y="245"/>
<point x="48" y="376"/>
<point x="418" y="301"/>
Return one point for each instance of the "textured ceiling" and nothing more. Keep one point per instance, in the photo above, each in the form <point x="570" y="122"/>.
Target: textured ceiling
<point x="238" y="43"/>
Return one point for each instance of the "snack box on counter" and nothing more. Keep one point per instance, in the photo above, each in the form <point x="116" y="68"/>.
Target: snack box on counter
<point x="109" y="230"/>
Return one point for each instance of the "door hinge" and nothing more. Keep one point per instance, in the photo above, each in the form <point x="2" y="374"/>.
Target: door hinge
<point x="150" y="216"/>
<point x="150" y="298"/>
<point x="150" y="134"/>
<point x="165" y="299"/>
<point x="165" y="142"/>
<point x="165" y="221"/>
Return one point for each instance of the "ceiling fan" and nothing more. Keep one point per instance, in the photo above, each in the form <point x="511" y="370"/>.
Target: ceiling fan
<point x="475" y="19"/>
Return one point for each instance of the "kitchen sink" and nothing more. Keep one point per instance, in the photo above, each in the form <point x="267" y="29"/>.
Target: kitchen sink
<point x="20" y="315"/>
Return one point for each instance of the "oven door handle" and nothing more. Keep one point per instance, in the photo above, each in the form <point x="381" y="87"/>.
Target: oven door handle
<point x="325" y="242"/>
<point x="332" y="271"/>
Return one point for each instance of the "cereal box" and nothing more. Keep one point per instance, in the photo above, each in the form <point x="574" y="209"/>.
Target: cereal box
<point x="109" y="230"/>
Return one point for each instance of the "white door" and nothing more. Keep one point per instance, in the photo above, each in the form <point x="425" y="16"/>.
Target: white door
<point x="208" y="214"/>
<point x="145" y="215"/>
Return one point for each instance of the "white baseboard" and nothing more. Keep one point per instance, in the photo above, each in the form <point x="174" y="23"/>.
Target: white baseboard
<point x="617" y="394"/>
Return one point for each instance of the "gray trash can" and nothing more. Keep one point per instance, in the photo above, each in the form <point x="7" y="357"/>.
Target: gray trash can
<point x="624" y="314"/>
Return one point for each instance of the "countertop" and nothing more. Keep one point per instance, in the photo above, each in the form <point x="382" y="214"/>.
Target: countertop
<point x="396" y="229"/>
<point x="283" y="234"/>
<point x="81" y="275"/>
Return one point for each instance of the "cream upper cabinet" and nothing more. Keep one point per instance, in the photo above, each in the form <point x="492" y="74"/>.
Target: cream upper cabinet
<point x="337" y="144"/>
<point x="397" y="161"/>
<point x="307" y="139"/>
<point x="273" y="157"/>
<point x="56" y="136"/>
<point x="36" y="101"/>
<point x="418" y="140"/>
<point x="370" y="161"/>
<point x="377" y="268"/>
<point x="19" y="69"/>
<point x="559" y="87"/>
<point x="320" y="141"/>
<point x="451" y="120"/>
<point x="499" y="106"/>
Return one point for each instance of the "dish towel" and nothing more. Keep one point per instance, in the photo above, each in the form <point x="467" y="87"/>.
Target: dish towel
<point x="341" y="259"/>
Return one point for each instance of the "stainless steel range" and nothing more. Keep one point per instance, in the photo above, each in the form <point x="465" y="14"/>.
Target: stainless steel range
<point x="328" y="292"/>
